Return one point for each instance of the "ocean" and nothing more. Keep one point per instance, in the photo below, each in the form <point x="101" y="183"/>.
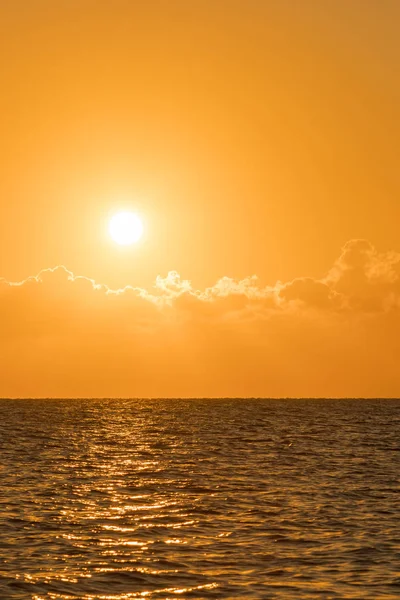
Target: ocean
<point x="155" y="499"/>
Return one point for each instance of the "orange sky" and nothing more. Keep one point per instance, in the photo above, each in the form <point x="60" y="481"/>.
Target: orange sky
<point x="254" y="138"/>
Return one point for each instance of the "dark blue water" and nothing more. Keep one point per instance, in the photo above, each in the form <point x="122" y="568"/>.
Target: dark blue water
<point x="118" y="499"/>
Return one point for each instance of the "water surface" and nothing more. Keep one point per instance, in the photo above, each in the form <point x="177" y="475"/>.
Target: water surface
<point x="156" y="499"/>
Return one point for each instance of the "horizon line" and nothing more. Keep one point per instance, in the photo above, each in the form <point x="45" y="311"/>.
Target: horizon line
<point x="199" y="398"/>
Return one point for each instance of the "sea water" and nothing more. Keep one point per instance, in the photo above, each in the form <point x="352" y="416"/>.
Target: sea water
<point x="119" y="499"/>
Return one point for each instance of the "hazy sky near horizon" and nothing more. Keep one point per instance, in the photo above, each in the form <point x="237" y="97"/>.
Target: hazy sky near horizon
<point x="254" y="138"/>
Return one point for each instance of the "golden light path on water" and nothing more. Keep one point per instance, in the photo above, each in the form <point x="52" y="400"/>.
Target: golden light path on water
<point x="113" y="500"/>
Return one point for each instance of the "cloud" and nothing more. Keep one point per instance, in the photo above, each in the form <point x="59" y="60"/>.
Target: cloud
<point x="367" y="279"/>
<point x="310" y="293"/>
<point x="66" y="335"/>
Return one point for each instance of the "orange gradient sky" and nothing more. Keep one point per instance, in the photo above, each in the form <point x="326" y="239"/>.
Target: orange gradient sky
<point x="254" y="138"/>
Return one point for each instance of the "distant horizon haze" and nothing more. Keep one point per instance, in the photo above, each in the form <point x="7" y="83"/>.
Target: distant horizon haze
<point x="65" y="335"/>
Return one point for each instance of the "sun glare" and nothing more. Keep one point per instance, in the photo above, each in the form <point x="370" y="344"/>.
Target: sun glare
<point x="125" y="228"/>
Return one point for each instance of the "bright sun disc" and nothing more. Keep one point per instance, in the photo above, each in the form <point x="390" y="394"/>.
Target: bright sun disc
<point x="126" y="228"/>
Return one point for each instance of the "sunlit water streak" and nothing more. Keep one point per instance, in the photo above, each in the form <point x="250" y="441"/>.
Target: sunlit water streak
<point x="118" y="499"/>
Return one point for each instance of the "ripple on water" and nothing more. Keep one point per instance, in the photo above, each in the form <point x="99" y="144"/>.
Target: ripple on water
<point x="117" y="499"/>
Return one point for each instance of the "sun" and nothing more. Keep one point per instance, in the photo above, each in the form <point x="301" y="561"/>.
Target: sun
<point x="125" y="228"/>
